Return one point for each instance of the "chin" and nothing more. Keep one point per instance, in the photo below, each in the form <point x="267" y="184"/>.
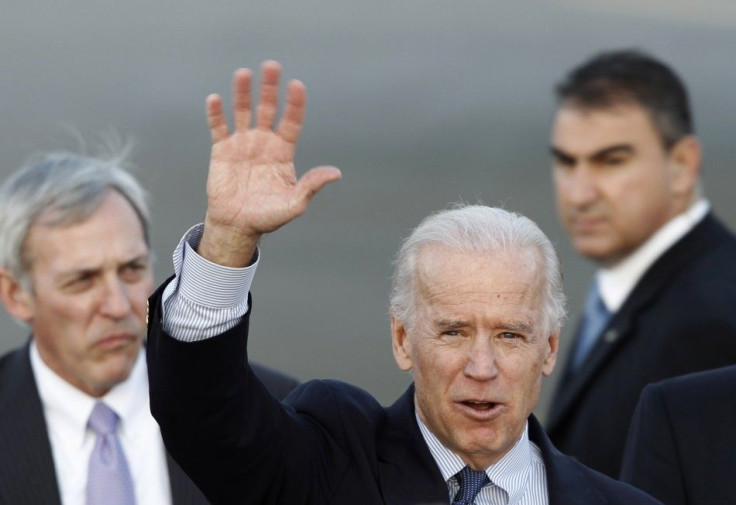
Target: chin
<point x="592" y="251"/>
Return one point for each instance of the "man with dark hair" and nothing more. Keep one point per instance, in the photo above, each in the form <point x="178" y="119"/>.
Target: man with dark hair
<point x="626" y="168"/>
<point x="476" y="308"/>
<point x="75" y="267"/>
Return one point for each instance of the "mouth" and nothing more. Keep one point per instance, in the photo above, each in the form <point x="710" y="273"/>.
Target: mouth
<point x="481" y="410"/>
<point x="112" y="342"/>
<point x="586" y="225"/>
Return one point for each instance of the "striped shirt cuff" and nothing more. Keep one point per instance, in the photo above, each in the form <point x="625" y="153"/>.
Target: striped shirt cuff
<point x="204" y="299"/>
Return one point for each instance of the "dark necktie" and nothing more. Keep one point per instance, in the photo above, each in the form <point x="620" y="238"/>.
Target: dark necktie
<point x="108" y="477"/>
<point x="595" y="319"/>
<point x="471" y="483"/>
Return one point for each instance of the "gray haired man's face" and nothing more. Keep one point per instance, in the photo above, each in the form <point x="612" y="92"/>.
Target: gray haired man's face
<point x="476" y="350"/>
<point x="91" y="281"/>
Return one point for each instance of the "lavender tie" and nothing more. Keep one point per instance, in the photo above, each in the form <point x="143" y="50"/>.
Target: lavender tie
<point x="108" y="477"/>
<point x="471" y="483"/>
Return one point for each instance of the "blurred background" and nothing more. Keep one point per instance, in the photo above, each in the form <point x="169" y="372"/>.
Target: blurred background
<point x="420" y="103"/>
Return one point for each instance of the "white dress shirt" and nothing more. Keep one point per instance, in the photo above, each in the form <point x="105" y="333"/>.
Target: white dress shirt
<point x="67" y="410"/>
<point x="617" y="282"/>
<point x="518" y="478"/>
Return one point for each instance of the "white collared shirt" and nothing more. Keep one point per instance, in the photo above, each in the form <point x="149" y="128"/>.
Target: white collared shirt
<point x="518" y="478"/>
<point x="67" y="410"/>
<point x="617" y="282"/>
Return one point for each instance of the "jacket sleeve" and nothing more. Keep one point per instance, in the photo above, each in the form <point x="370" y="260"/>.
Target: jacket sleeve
<point x="218" y="421"/>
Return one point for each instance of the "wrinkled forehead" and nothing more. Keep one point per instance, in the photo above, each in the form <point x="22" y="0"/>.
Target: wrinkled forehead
<point x="111" y="228"/>
<point x="442" y="270"/>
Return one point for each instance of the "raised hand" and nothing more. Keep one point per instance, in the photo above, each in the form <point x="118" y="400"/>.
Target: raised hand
<point x="252" y="187"/>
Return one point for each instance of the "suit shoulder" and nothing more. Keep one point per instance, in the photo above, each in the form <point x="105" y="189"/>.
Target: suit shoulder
<point x="325" y="400"/>
<point x="617" y="492"/>
<point x="11" y="365"/>
<point x="715" y="384"/>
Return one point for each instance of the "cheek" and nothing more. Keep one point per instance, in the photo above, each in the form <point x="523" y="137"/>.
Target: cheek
<point x="435" y="367"/>
<point x="65" y="312"/>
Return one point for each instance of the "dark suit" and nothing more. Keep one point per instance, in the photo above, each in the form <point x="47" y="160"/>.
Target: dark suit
<point x="27" y="474"/>
<point x="682" y="442"/>
<point x="680" y="318"/>
<point x="329" y="443"/>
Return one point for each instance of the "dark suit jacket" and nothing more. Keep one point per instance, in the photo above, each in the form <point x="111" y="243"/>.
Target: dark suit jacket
<point x="328" y="443"/>
<point x="682" y="442"/>
<point x="27" y="474"/>
<point x="680" y="318"/>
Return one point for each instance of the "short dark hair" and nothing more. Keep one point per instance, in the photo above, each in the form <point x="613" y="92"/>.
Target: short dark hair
<point x="617" y="77"/>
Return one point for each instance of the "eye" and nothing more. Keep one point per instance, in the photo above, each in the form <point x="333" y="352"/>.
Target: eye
<point x="452" y="333"/>
<point x="565" y="164"/>
<point x="613" y="161"/>
<point x="507" y="335"/>
<point x="133" y="271"/>
<point x="79" y="282"/>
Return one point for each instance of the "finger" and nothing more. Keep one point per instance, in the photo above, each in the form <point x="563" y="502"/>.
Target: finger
<point x="241" y="98"/>
<point x="290" y="125"/>
<point x="268" y="100"/>
<point x="216" y="119"/>
<point x="312" y="181"/>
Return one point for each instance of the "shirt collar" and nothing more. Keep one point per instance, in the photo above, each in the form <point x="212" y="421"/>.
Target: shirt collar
<point x="510" y="473"/>
<point x="617" y="282"/>
<point x="73" y="407"/>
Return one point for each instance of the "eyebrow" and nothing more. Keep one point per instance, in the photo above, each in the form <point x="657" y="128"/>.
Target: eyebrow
<point x="602" y="153"/>
<point x="517" y="327"/>
<point x="449" y="324"/>
<point x="142" y="258"/>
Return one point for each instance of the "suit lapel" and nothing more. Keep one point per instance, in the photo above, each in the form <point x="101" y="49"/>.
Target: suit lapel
<point x="567" y="484"/>
<point x="708" y="235"/>
<point x="27" y="473"/>
<point x="408" y="472"/>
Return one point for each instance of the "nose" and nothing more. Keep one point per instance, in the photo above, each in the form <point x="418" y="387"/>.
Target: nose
<point x="580" y="186"/>
<point x="115" y="300"/>
<point x="481" y="362"/>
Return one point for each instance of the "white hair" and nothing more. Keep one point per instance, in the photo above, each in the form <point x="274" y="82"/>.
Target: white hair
<point x="479" y="229"/>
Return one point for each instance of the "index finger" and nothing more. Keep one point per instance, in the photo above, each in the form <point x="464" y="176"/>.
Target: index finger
<point x="291" y="122"/>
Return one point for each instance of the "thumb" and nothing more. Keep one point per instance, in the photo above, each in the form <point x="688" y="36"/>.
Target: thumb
<point x="314" y="180"/>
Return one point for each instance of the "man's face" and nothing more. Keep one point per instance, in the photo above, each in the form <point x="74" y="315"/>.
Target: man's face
<point x="90" y="285"/>
<point x="615" y="182"/>
<point x="476" y="349"/>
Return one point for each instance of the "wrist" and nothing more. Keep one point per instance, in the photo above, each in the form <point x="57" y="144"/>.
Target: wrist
<point x="228" y="246"/>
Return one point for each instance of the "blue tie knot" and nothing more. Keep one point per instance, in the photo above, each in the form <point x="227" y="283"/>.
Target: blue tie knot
<point x="103" y="420"/>
<point x="471" y="483"/>
<point x="595" y="320"/>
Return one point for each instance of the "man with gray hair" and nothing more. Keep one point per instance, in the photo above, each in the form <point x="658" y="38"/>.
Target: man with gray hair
<point x="476" y="310"/>
<point x="75" y="266"/>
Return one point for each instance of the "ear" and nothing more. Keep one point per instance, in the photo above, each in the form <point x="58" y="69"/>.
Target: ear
<point x="685" y="158"/>
<point x="17" y="301"/>
<point x="548" y="365"/>
<point x="401" y="344"/>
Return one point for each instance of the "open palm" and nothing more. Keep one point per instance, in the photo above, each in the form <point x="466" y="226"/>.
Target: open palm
<point x="252" y="187"/>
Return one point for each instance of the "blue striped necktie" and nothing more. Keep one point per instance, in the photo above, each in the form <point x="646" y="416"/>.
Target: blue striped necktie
<point x="471" y="483"/>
